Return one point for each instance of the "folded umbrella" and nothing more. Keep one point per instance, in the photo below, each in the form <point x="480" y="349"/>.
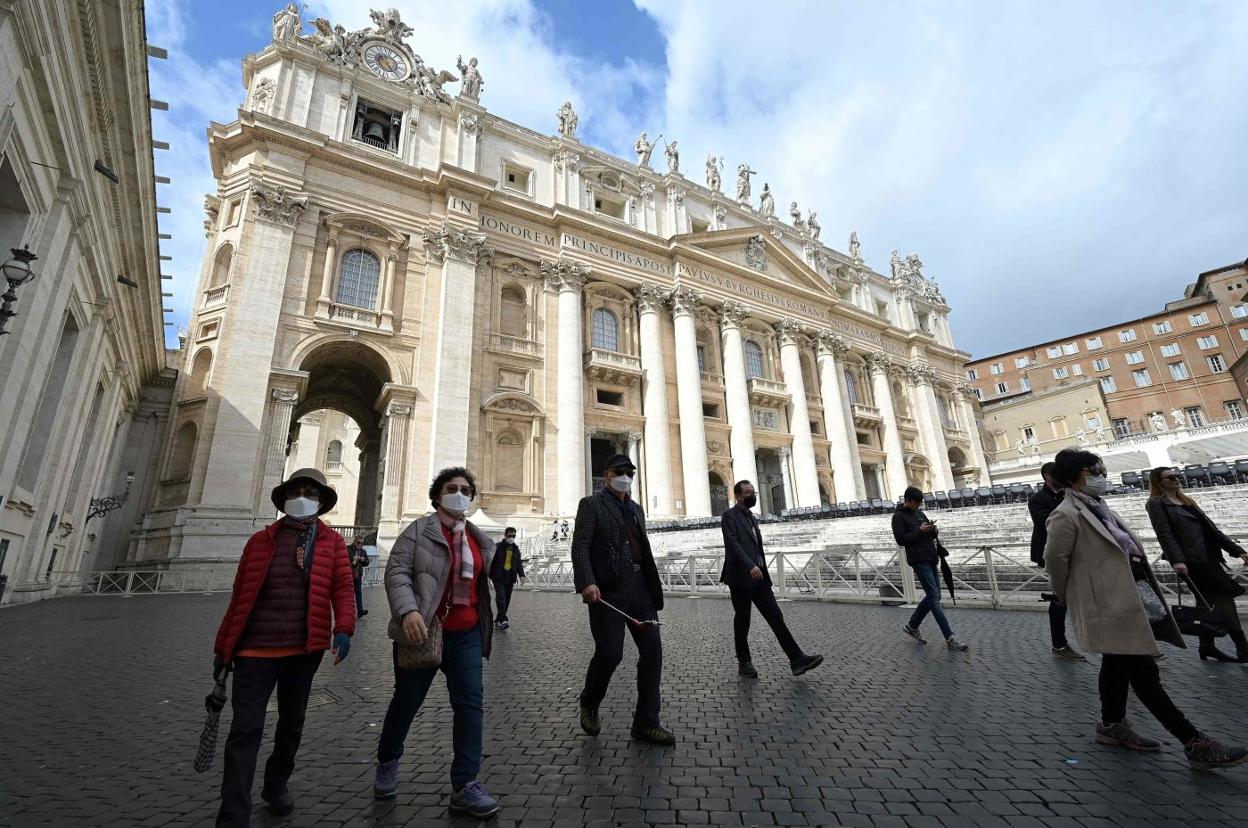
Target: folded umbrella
<point x="945" y="571"/>
<point x="214" y="703"/>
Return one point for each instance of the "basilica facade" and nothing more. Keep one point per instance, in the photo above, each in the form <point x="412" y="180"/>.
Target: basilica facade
<point x="471" y="291"/>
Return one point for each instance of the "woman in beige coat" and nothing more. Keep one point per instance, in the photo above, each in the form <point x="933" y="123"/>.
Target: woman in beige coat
<point x="1098" y="569"/>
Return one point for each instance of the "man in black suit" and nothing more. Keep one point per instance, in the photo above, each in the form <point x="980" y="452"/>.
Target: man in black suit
<point x="745" y="573"/>
<point x="612" y="561"/>
<point x="1041" y="505"/>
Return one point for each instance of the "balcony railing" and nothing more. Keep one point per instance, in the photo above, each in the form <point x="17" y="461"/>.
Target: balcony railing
<point x="767" y="392"/>
<point x="515" y="345"/>
<point x="612" y="366"/>
<point x="216" y="296"/>
<point x="712" y="378"/>
<point x="362" y="317"/>
<point x="907" y="422"/>
<point x="867" y="412"/>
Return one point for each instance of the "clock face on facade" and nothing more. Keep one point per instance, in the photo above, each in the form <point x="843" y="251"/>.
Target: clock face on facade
<point x="385" y="62"/>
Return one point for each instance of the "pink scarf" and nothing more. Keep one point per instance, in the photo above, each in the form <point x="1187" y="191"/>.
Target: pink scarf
<point x="461" y="561"/>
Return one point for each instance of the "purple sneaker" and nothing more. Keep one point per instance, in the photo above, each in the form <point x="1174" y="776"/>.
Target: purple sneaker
<point x="474" y="801"/>
<point x="386" y="782"/>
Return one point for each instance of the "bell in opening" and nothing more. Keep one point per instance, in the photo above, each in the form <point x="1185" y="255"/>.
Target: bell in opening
<point x="375" y="134"/>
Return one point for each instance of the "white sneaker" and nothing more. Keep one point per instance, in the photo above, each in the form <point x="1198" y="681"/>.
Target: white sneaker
<point x="913" y="633"/>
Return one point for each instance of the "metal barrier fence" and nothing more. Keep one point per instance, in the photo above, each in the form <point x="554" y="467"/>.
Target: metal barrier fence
<point x="126" y="583"/>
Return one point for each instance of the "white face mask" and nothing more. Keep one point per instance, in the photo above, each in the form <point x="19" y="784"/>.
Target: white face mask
<point x="456" y="502"/>
<point x="1096" y="485"/>
<point x="623" y="484"/>
<point x="301" y="507"/>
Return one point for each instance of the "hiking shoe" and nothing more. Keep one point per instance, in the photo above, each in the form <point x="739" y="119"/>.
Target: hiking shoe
<point x="280" y="803"/>
<point x="504" y="625"/>
<point x="1121" y="734"/>
<point x="654" y="735"/>
<point x="806" y="663"/>
<point x="746" y="670"/>
<point x="1205" y="753"/>
<point x="473" y="801"/>
<point x="956" y="645"/>
<point x="589" y="720"/>
<point x="386" y="781"/>
<point x="1068" y="654"/>
<point x="913" y="633"/>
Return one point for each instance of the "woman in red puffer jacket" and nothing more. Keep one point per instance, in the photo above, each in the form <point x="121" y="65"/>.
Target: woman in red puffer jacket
<point x="292" y="589"/>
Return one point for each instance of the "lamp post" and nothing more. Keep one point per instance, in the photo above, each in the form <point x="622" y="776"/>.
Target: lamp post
<point x="101" y="506"/>
<point x="17" y="272"/>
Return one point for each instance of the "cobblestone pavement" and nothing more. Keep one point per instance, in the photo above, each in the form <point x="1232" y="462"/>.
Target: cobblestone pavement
<point x="101" y="713"/>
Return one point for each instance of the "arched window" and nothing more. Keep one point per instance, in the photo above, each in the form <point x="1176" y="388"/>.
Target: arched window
<point x="513" y="315"/>
<point x="221" y="266"/>
<point x="606" y="330"/>
<point x="200" y="370"/>
<point x="851" y="387"/>
<point x="183" y="452"/>
<point x="357" y="279"/>
<point x="753" y="359"/>
<point x="509" y="462"/>
<point x="333" y="453"/>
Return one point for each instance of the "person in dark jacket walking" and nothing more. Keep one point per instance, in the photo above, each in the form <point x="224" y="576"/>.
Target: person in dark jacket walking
<point x="918" y="535"/>
<point x="612" y="563"/>
<point x="505" y="569"/>
<point x="359" y="560"/>
<point x="749" y="584"/>
<point x="1193" y="544"/>
<point x="1040" y="505"/>
<point x="275" y="631"/>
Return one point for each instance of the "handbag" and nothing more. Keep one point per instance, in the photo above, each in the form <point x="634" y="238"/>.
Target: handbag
<point x="428" y="653"/>
<point x="1154" y="607"/>
<point x="1198" y="620"/>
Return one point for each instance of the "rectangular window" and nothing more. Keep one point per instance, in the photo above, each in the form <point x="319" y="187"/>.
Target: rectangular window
<point x="1243" y="334"/>
<point x="1207" y="342"/>
<point x="814" y="427"/>
<point x="1101" y="364"/>
<point x="1093" y="342"/>
<point x="1060" y="373"/>
<point x="1197" y="319"/>
<point x="1070" y="348"/>
<point x="1142" y="379"/>
<point x="1195" y="417"/>
<point x="1094" y="422"/>
<point x="1178" y="371"/>
<point x="698" y="225"/>
<point x="1122" y="428"/>
<point x="517" y="178"/>
<point x="972" y="374"/>
<point x="701" y="357"/>
<point x="1216" y="364"/>
<point x="1054" y="352"/>
<point x="1171" y="350"/>
<point x="1127" y="336"/>
<point x="1239" y="311"/>
<point x="710" y="410"/>
<point x="377" y="126"/>
<point x="1003" y="387"/>
<point x="1024" y="384"/>
<point x="1234" y="409"/>
<point x="1108" y="385"/>
<point x="1077" y="370"/>
<point x="1163" y="327"/>
<point x="1021" y="362"/>
<point x="997" y="368"/>
<point x="1135" y="357"/>
<point x="606" y="397"/>
<point x="979" y="394"/>
<point x="1060" y="429"/>
<point x="609" y="206"/>
<point x="1029" y="433"/>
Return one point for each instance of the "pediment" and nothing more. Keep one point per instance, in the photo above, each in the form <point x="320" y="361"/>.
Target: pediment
<point x="753" y="248"/>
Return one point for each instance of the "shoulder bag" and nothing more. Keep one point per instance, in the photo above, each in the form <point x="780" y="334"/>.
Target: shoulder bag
<point x="1198" y="620"/>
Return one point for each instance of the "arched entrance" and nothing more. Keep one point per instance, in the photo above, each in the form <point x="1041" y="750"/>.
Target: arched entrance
<point x="963" y="475"/>
<point x="719" y="494"/>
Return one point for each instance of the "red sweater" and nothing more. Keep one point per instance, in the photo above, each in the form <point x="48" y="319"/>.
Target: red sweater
<point x="462" y="617"/>
<point x="331" y="591"/>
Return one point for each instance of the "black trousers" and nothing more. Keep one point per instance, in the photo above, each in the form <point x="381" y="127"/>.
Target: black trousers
<point x="254" y="681"/>
<point x="502" y="597"/>
<point x="1140" y="673"/>
<point x="759" y="594"/>
<point x="1057" y="625"/>
<point x="608" y="627"/>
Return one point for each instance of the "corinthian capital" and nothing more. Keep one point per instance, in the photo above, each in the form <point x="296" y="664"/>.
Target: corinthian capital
<point x="453" y="243"/>
<point x="965" y="389"/>
<point x="831" y="344"/>
<point x="684" y="300"/>
<point x="276" y="205"/>
<point x="788" y="331"/>
<point x="879" y="361"/>
<point x="564" y="274"/>
<point x="920" y="373"/>
<point x="731" y="314"/>
<point x="649" y="298"/>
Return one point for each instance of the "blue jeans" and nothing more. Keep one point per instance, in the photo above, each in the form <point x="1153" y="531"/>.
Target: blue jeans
<point x="461" y="662"/>
<point x="929" y="578"/>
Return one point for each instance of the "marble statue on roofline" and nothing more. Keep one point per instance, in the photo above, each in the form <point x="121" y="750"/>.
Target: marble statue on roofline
<point x="855" y="249"/>
<point x="713" y="180"/>
<point x="673" y="158"/>
<point x="743" y="182"/>
<point x="643" y="148"/>
<point x="898" y="267"/>
<point x="389" y="26"/>
<point x="471" y="82"/>
<point x="567" y="120"/>
<point x="813" y="226"/>
<point x="766" y="202"/>
<point x="286" y="24"/>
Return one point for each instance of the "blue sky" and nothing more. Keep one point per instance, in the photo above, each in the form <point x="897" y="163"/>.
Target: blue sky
<point x="1056" y="165"/>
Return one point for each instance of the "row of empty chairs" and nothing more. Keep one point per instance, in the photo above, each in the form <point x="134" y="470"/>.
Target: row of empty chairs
<point x="1217" y="473"/>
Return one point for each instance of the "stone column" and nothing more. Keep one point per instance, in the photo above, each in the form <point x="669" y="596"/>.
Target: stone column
<point x="931" y="427"/>
<point x="568" y="178"/>
<point x="387" y="290"/>
<point x="658" y="466"/>
<point x="838" y="418"/>
<point x="369" y="444"/>
<point x="784" y="454"/>
<point x="684" y="303"/>
<point x="971" y="427"/>
<point x="737" y="396"/>
<point x="327" y="277"/>
<point x="395" y="406"/>
<point x="282" y="401"/>
<point x="640" y="490"/>
<point x="588" y="482"/>
<point x="571" y="443"/>
<point x="894" y="455"/>
<point x="805" y="472"/>
<point x="458" y="252"/>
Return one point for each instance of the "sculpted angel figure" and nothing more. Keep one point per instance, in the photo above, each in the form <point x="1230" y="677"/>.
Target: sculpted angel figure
<point x="389" y="26"/>
<point x="914" y="266"/>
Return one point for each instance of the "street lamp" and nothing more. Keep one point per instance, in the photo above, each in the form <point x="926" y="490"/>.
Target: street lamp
<point x="17" y="272"/>
<point x="101" y="506"/>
